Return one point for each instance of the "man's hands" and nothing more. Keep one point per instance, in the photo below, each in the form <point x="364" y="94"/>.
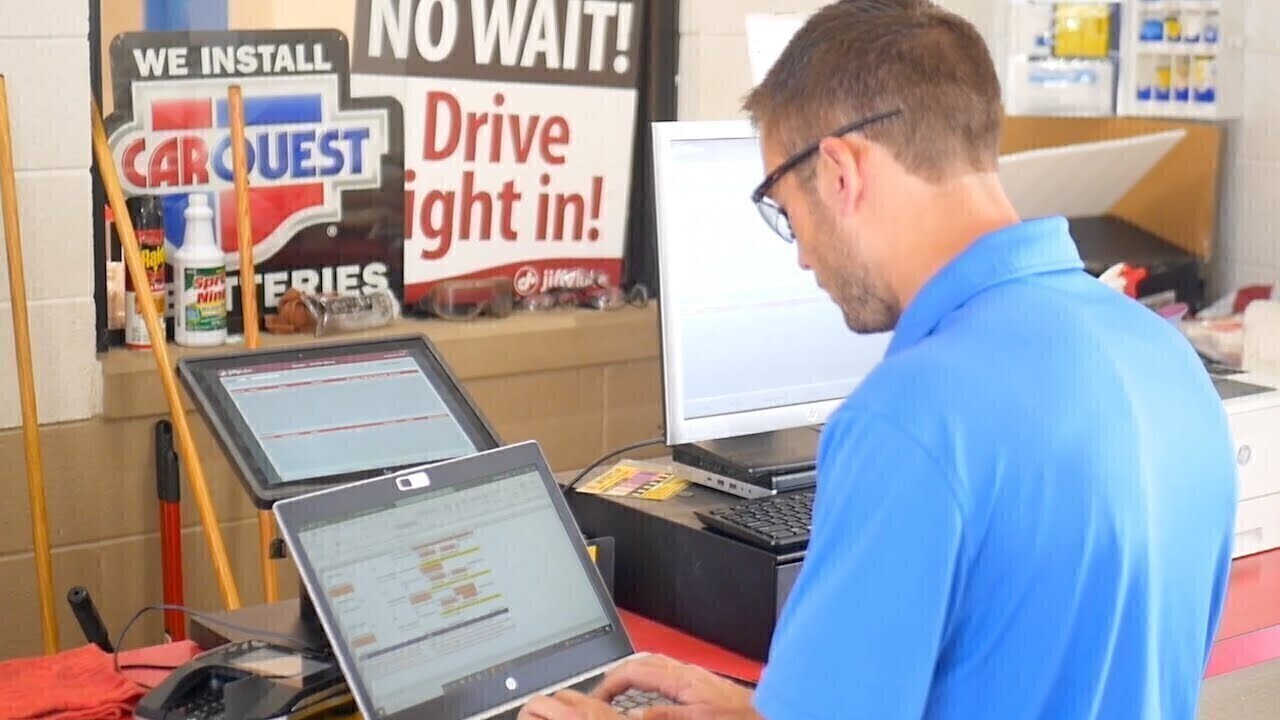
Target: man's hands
<point x="699" y="694"/>
<point x="687" y="685"/>
<point x="567" y="705"/>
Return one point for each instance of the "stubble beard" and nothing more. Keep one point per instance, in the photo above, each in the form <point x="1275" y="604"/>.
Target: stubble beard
<point x="863" y="296"/>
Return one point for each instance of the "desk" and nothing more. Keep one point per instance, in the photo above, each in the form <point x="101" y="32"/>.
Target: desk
<point x="1249" y="635"/>
<point x="1250" y="630"/>
<point x="646" y="635"/>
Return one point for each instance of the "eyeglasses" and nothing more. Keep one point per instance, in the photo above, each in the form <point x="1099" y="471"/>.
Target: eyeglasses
<point x="469" y="299"/>
<point x="774" y="216"/>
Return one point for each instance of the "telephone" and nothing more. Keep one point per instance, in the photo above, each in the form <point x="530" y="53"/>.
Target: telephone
<point x="248" y="680"/>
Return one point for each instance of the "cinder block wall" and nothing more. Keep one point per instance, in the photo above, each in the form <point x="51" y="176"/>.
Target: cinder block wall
<point x="44" y="57"/>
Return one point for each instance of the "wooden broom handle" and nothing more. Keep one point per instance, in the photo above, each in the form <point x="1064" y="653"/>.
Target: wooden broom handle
<point x="26" y="380"/>
<point x="249" y="305"/>
<point x="244" y="224"/>
<point x="160" y="350"/>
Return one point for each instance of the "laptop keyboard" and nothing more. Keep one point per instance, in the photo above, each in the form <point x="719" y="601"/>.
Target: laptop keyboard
<point x="779" y="523"/>
<point x="633" y="700"/>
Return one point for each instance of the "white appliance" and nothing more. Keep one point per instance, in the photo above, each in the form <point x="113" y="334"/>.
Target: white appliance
<point x="1255" y="427"/>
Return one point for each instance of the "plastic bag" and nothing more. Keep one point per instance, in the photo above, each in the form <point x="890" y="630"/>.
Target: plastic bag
<point x="334" y="314"/>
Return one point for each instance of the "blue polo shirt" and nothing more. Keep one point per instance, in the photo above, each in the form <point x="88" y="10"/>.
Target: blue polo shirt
<point x="1025" y="511"/>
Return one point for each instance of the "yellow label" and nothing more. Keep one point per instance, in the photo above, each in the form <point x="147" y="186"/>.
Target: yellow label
<point x="1082" y="31"/>
<point x="625" y="480"/>
<point x="591" y="550"/>
<point x="152" y="258"/>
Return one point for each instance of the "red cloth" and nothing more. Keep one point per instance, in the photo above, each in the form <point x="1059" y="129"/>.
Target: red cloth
<point x="79" y="684"/>
<point x="1248" y="294"/>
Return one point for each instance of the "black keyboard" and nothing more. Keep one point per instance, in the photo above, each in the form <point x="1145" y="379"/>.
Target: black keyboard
<point x="779" y="522"/>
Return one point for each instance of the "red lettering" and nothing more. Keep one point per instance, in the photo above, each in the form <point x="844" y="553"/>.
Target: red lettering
<point x="474" y="123"/>
<point x="524" y="147"/>
<point x="129" y="163"/>
<point x="508" y="197"/>
<point x="470" y="198"/>
<point x="560" y="127"/>
<point x="436" y="228"/>
<point x="447" y="127"/>
<point x="409" y="177"/>
<point x="495" y="138"/>
<point x="430" y="149"/>
<point x="195" y="161"/>
<point x="178" y="161"/>
<point x="164" y="169"/>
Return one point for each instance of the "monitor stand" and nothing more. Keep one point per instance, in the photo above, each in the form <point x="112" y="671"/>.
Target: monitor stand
<point x="292" y="618"/>
<point x="286" y="617"/>
<point x="754" y="465"/>
<point x="307" y="612"/>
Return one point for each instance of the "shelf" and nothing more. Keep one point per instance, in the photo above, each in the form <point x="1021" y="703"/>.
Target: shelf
<point x="1215" y="59"/>
<point x="1171" y="5"/>
<point x="1071" y="2"/>
<point x="1175" y="110"/>
<point x="1178" y="48"/>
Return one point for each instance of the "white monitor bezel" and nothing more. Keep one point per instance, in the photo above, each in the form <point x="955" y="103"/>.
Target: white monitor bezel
<point x="680" y="429"/>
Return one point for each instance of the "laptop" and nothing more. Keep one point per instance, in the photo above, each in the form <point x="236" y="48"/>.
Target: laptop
<point x="456" y="590"/>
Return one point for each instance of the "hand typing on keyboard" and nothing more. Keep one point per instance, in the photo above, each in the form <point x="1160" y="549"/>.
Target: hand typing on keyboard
<point x="696" y="694"/>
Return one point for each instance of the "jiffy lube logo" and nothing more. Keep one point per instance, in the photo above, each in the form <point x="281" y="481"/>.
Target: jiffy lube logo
<point x="324" y="169"/>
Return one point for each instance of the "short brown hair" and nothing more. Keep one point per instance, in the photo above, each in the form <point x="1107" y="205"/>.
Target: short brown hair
<point x="856" y="58"/>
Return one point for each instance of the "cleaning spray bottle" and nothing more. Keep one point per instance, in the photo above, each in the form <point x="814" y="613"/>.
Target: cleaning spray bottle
<point x="200" y="272"/>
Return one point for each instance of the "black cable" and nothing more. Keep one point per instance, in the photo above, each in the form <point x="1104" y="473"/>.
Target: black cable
<point x="146" y="666"/>
<point x="573" y="484"/>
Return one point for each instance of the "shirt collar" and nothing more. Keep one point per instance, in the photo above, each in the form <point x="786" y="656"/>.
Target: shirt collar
<point x="1028" y="248"/>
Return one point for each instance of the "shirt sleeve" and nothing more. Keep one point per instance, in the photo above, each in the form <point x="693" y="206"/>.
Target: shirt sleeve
<point x="862" y="628"/>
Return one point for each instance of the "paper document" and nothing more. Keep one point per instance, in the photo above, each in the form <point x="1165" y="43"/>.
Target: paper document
<point x="1081" y="180"/>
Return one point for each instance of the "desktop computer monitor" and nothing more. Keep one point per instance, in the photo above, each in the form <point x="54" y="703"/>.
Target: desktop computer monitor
<point x="295" y="420"/>
<point x="750" y="343"/>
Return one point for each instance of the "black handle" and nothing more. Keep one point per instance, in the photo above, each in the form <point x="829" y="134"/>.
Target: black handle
<point x="168" y="487"/>
<point x="95" y="631"/>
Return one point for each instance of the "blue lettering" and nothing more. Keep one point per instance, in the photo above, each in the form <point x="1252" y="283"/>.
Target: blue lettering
<point x="223" y="163"/>
<point x="296" y="154"/>
<point x="300" y="146"/>
<point x="277" y="170"/>
<point x="331" y="153"/>
<point x="357" y="138"/>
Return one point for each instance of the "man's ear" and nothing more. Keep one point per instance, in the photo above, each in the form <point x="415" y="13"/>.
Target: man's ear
<point x="839" y="174"/>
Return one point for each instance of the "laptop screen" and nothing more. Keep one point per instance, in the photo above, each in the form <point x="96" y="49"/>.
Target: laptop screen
<point x="440" y="591"/>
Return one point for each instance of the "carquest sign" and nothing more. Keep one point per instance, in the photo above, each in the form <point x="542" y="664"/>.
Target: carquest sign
<point x="325" y="170"/>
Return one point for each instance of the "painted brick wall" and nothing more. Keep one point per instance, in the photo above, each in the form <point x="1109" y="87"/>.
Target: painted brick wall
<point x="44" y="56"/>
<point x="714" y="73"/>
<point x="1249" y="245"/>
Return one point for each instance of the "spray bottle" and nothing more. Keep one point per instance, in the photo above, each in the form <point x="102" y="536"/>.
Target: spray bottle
<point x="200" y="315"/>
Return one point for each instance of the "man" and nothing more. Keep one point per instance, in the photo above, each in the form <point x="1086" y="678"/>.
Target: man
<point x="1026" y="510"/>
